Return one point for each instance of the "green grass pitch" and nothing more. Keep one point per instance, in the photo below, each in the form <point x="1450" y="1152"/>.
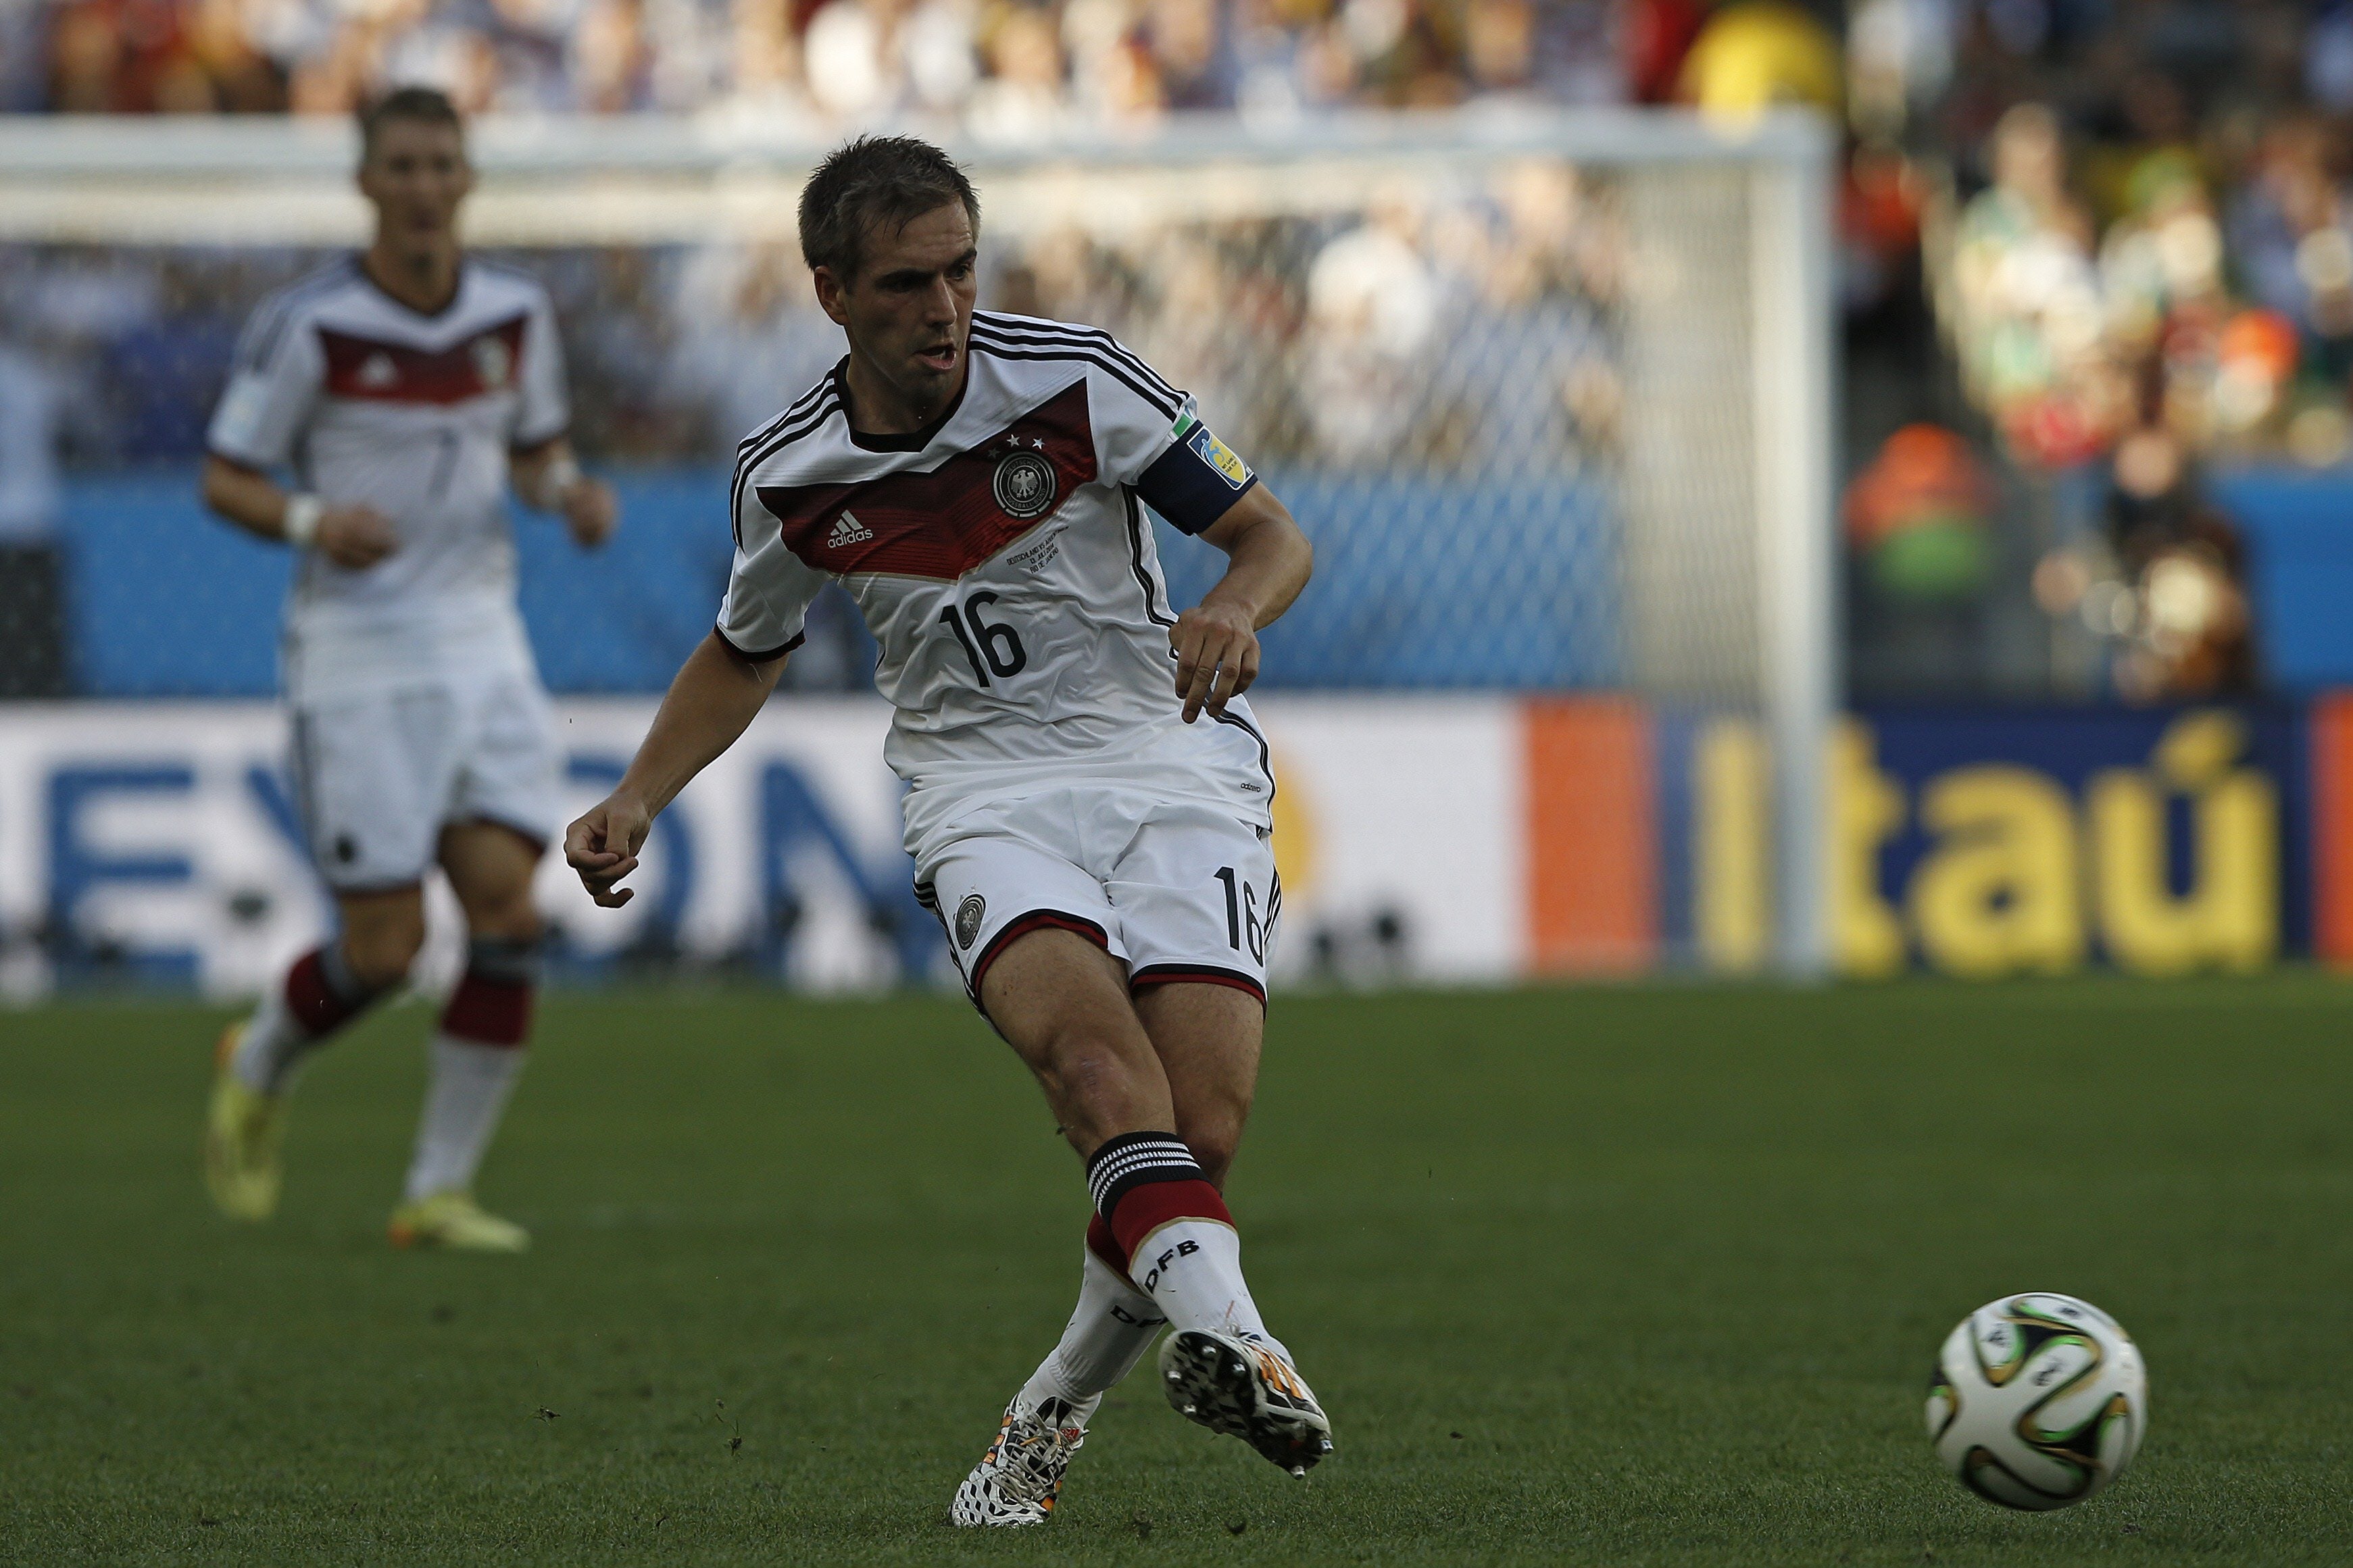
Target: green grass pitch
<point x="1645" y="1274"/>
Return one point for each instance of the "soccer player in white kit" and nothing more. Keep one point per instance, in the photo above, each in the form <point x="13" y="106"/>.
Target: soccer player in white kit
<point x="1088" y="796"/>
<point x="407" y="389"/>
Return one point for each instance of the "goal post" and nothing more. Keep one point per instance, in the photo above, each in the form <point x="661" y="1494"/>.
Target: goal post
<point x="1554" y="391"/>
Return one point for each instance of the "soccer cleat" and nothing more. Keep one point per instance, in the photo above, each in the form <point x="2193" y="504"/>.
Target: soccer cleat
<point x="1236" y="1383"/>
<point x="454" y="1220"/>
<point x="1017" y="1480"/>
<point x="243" y="1130"/>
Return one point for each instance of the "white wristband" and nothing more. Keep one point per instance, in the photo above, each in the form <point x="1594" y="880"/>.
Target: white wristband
<point x="301" y="525"/>
<point x="562" y="473"/>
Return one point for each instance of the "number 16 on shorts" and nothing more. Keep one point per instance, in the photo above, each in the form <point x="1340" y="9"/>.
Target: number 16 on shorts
<point x="1243" y="922"/>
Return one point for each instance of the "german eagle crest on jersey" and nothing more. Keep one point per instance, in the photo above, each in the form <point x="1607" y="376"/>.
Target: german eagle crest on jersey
<point x="493" y="361"/>
<point x="1024" y="483"/>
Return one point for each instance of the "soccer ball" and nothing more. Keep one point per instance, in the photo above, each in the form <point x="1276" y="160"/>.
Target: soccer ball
<point x="2038" y="1401"/>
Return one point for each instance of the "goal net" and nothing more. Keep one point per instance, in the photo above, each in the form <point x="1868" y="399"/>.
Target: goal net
<point x="1552" y="393"/>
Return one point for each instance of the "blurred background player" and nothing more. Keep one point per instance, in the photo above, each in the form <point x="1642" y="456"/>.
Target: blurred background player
<point x="408" y="388"/>
<point x="1088" y="800"/>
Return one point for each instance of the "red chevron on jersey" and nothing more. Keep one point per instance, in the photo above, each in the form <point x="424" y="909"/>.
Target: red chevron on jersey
<point x="383" y="372"/>
<point x="944" y="523"/>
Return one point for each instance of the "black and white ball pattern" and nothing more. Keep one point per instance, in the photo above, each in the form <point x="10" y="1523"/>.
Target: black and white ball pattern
<point x="2038" y="1401"/>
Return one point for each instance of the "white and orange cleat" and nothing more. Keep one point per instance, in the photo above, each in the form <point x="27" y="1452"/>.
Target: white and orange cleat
<point x="1017" y="1481"/>
<point x="1238" y="1384"/>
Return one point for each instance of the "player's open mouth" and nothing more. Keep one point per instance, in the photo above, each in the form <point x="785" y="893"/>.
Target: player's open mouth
<point x="942" y="358"/>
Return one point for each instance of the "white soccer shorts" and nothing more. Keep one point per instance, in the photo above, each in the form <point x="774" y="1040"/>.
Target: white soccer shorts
<point x="376" y="777"/>
<point x="1177" y="892"/>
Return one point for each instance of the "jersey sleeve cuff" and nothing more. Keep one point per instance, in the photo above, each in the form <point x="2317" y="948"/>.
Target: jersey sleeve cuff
<point x="228" y="454"/>
<point x="769" y="656"/>
<point x="526" y="443"/>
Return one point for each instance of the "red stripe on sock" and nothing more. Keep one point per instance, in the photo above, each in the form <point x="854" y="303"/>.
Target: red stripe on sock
<point x="1146" y="1208"/>
<point x="1106" y="1246"/>
<point x="311" y="1001"/>
<point x="487" y="1011"/>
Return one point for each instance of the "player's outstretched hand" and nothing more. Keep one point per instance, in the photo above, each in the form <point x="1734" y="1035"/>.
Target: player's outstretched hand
<point x="1217" y="657"/>
<point x="354" y="537"/>
<point x="603" y="847"/>
<point x="590" y="511"/>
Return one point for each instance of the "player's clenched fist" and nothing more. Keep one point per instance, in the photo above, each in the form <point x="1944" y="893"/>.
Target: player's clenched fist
<point x="354" y="537"/>
<point x="603" y="846"/>
<point x="1217" y="657"/>
<point x="590" y="511"/>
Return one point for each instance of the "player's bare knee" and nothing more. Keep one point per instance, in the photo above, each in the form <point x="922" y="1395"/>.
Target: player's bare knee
<point x="1214" y="1141"/>
<point x="1092" y="1078"/>
<point x="512" y="919"/>
<point x="381" y="950"/>
<point x="1086" y="1073"/>
<point x="1215" y="1160"/>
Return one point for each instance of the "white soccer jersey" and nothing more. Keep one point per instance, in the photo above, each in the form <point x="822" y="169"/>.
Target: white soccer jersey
<point x="1003" y="560"/>
<point x="370" y="401"/>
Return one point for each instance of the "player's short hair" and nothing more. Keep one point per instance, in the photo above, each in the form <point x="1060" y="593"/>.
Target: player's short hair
<point x="874" y="183"/>
<point x="417" y="105"/>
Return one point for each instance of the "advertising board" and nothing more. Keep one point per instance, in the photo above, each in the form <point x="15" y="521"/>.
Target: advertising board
<point x="1453" y="839"/>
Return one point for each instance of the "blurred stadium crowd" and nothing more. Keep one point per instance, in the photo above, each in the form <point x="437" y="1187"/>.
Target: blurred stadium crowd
<point x="998" y="65"/>
<point x="1316" y="342"/>
<point x="2099" y="254"/>
<point x="2091" y="249"/>
<point x="1411" y="337"/>
<point x="1405" y="341"/>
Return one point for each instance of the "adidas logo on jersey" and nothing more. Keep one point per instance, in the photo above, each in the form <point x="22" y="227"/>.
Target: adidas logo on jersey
<point x="846" y="530"/>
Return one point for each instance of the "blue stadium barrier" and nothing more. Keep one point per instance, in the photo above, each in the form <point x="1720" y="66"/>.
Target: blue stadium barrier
<point x="1419" y="582"/>
<point x="1429" y="582"/>
<point x="168" y="601"/>
<point x="2298" y="529"/>
<point x="163" y="599"/>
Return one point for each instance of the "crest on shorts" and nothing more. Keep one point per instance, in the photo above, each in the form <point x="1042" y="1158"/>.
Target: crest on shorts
<point x="968" y="915"/>
<point x="1025" y="484"/>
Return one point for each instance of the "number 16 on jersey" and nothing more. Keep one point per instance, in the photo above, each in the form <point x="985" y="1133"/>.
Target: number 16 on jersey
<point x="989" y="647"/>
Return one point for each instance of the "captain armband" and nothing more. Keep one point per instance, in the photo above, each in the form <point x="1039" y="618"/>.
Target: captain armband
<point x="1197" y="481"/>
